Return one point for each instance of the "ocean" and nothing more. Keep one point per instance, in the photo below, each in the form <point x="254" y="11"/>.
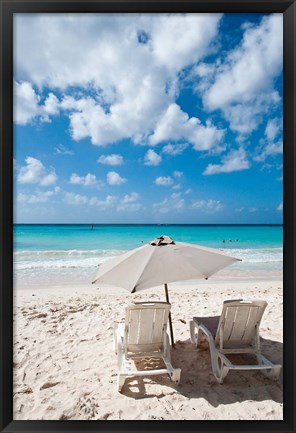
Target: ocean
<point x="61" y="254"/>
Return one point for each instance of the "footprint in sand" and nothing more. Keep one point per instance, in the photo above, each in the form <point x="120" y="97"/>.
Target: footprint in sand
<point x="88" y="406"/>
<point x="48" y="385"/>
<point x="24" y="390"/>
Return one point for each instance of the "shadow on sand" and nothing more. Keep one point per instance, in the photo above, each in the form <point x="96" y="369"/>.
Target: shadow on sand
<point x="197" y="380"/>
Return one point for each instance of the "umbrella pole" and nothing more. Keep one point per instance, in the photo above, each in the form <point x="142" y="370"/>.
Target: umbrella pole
<point x="170" y="317"/>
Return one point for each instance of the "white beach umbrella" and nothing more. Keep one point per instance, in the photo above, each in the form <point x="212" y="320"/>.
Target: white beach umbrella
<point x="161" y="261"/>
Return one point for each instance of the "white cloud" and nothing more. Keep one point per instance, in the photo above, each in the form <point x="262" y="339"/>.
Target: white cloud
<point x="88" y="119"/>
<point x="188" y="191"/>
<point x="104" y="204"/>
<point x="174" y="149"/>
<point x="38" y="197"/>
<point x="183" y="39"/>
<point x="280" y="207"/>
<point x="273" y="149"/>
<point x="164" y="181"/>
<point x="175" y="41"/>
<point x="130" y="198"/>
<point x="62" y="150"/>
<point x="152" y="158"/>
<point x="173" y="203"/>
<point x="245" y="117"/>
<point x="178" y="173"/>
<point x="129" y="93"/>
<point x="206" y="75"/>
<point x="271" y="144"/>
<point x="87" y="180"/>
<point x="235" y="160"/>
<point x="130" y="203"/>
<point x="176" y="125"/>
<point x="27" y="105"/>
<point x="51" y="105"/>
<point x="209" y="206"/>
<point x="273" y="127"/>
<point x="239" y="209"/>
<point x="113" y="159"/>
<point x="77" y="199"/>
<point x="114" y="178"/>
<point x="35" y="172"/>
<point x="131" y="207"/>
<point x="242" y="86"/>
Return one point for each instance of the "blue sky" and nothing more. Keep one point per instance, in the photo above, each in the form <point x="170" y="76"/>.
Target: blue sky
<point x="150" y="118"/>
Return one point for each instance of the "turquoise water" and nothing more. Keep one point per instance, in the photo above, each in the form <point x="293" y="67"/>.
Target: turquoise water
<point x="124" y="237"/>
<point x="49" y="252"/>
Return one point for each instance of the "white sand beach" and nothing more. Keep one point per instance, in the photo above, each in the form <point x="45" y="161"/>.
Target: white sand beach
<point x="65" y="366"/>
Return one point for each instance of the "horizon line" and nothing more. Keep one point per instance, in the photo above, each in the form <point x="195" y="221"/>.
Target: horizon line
<point x="157" y="224"/>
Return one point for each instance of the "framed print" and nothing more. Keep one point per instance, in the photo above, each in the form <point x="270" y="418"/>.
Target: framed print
<point x="147" y="216"/>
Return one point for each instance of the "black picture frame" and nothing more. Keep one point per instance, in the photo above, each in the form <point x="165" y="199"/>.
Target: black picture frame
<point x="8" y="8"/>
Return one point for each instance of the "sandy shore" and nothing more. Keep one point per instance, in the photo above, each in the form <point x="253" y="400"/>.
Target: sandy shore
<point x="65" y="366"/>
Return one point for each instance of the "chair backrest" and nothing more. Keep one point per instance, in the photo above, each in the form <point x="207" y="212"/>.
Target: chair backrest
<point x="145" y="325"/>
<point x="239" y="323"/>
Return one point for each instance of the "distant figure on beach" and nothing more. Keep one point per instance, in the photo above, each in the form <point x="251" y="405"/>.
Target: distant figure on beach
<point x="92" y="227"/>
<point x="223" y="241"/>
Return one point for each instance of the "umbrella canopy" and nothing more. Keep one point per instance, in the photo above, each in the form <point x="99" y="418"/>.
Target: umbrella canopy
<point x="161" y="261"/>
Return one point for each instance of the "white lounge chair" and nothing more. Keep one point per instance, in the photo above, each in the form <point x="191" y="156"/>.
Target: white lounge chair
<point x="144" y="335"/>
<point x="236" y="331"/>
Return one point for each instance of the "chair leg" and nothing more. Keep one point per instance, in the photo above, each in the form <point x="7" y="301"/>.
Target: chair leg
<point x="174" y="373"/>
<point x="167" y="347"/>
<point x="120" y="381"/>
<point x="220" y="370"/>
<point x="273" y="372"/>
<point x="119" y="349"/>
